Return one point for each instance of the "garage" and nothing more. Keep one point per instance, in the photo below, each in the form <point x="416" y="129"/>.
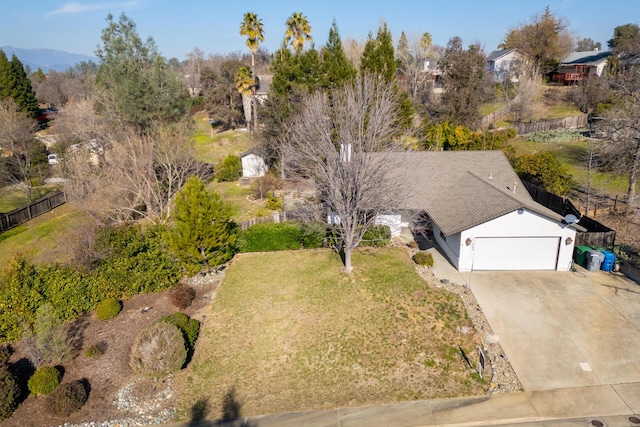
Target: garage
<point x="515" y="253"/>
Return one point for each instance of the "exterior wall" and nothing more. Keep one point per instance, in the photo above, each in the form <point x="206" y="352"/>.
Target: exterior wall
<point x="501" y="67"/>
<point x="253" y="166"/>
<point x="393" y="221"/>
<point x="449" y="245"/>
<point x="516" y="224"/>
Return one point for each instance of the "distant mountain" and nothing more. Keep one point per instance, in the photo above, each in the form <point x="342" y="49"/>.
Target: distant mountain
<point x="47" y="59"/>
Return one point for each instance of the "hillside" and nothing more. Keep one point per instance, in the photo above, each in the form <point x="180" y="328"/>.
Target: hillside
<point x="47" y="59"/>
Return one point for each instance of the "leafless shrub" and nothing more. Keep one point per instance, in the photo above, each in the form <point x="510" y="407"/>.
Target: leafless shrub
<point x="158" y="350"/>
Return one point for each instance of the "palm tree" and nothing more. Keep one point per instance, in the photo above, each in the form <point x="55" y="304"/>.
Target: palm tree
<point x="245" y="85"/>
<point x="251" y="26"/>
<point x="298" y="31"/>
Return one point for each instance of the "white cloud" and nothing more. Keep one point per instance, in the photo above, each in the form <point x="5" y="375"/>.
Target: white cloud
<point x="69" y="8"/>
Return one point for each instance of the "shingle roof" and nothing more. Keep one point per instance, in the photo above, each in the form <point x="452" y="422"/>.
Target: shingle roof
<point x="462" y="189"/>
<point x="590" y="57"/>
<point x="497" y="54"/>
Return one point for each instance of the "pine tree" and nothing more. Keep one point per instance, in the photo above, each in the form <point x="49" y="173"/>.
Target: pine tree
<point x="336" y="67"/>
<point x="23" y="92"/>
<point x="15" y="84"/>
<point x="204" y="234"/>
<point x="378" y="56"/>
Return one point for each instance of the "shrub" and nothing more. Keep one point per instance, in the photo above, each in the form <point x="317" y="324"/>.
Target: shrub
<point x="158" y="350"/>
<point x="5" y="354"/>
<point x="274" y="203"/>
<point x="313" y="234"/>
<point x="9" y="392"/>
<point x="229" y="169"/>
<point x="265" y="184"/>
<point x="182" y="296"/>
<point x="44" y="380"/>
<point x="95" y="350"/>
<point x="67" y="399"/>
<point x="108" y="308"/>
<point x="376" y="235"/>
<point x="190" y="328"/>
<point x="270" y="236"/>
<point x="423" y="258"/>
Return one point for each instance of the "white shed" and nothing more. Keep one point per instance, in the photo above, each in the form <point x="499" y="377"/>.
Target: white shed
<point x="253" y="164"/>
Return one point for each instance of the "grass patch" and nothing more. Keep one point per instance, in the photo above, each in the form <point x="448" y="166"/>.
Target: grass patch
<point x="490" y="107"/>
<point x="43" y="239"/>
<point x="243" y="208"/>
<point x="214" y="148"/>
<point x="12" y="198"/>
<point x="288" y="331"/>
<point x="560" y="111"/>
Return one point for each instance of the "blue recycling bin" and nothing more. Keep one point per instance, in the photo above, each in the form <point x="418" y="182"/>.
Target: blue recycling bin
<point x="609" y="260"/>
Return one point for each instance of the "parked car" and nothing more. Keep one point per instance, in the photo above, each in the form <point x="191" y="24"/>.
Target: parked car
<point x="53" y="159"/>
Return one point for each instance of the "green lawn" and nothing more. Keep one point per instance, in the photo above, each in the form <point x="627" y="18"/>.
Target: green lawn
<point x="12" y="198"/>
<point x="288" y="331"/>
<point x="213" y="149"/>
<point x="45" y="239"/>
<point x="490" y="107"/>
<point x="239" y="197"/>
<point x="573" y="155"/>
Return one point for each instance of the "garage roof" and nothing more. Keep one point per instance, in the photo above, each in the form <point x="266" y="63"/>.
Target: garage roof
<point x="462" y="189"/>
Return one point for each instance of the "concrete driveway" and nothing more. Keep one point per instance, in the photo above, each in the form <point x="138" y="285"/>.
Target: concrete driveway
<point x="563" y="329"/>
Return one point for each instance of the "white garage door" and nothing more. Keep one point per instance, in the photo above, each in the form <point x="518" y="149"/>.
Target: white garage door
<point x="515" y="253"/>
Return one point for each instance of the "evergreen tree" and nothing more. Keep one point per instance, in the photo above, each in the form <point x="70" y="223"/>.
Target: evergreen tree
<point x="136" y="82"/>
<point x="378" y="56"/>
<point x="23" y="92"/>
<point x="15" y="84"/>
<point x="204" y="233"/>
<point x="336" y="68"/>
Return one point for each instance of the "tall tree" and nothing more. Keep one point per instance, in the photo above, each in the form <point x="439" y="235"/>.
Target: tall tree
<point x="298" y="31"/>
<point x="135" y="83"/>
<point x="336" y="68"/>
<point x="221" y="97"/>
<point x="244" y="85"/>
<point x="344" y="143"/>
<point x="586" y="44"/>
<point x="15" y="84"/>
<point x="193" y="69"/>
<point x="251" y="27"/>
<point x="546" y="40"/>
<point x="378" y="56"/>
<point x="203" y="234"/>
<point x="411" y="54"/>
<point x="626" y="40"/>
<point x="466" y="84"/>
<point x="25" y="162"/>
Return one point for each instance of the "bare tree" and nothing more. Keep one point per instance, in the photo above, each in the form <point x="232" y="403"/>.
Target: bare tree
<point x="345" y="143"/>
<point x="121" y="175"/>
<point x="24" y="157"/>
<point x="194" y="65"/>
<point x="521" y="107"/>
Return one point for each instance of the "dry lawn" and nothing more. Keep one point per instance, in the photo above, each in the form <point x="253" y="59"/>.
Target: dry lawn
<point x="288" y="331"/>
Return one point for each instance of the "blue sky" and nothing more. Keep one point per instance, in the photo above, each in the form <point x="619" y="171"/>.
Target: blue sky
<point x="180" y="26"/>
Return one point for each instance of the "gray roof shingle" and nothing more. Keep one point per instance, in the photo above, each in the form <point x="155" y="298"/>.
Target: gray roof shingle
<point x="462" y="189"/>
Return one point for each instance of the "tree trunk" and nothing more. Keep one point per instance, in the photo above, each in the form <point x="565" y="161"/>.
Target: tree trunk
<point x="347" y="260"/>
<point x="635" y="165"/>
<point x="255" y="97"/>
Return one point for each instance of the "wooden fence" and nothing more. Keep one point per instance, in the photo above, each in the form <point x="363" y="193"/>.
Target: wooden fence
<point x="597" y="234"/>
<point x="564" y="123"/>
<point x="21" y="215"/>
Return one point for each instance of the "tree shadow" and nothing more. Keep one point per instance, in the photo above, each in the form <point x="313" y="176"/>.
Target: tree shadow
<point x="231" y="412"/>
<point x="75" y="334"/>
<point x="22" y="370"/>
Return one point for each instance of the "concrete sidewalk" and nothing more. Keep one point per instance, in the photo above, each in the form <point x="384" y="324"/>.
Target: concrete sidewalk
<point x="613" y="405"/>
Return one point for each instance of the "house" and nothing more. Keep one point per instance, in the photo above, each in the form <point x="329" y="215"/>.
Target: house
<point x="480" y="213"/>
<point x="253" y="164"/>
<point x="578" y="66"/>
<point x="431" y="69"/>
<point x="505" y="64"/>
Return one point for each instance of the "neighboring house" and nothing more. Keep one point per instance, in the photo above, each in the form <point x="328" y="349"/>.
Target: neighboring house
<point x="253" y="164"/>
<point x="480" y="213"/>
<point x="93" y="151"/>
<point x="578" y="66"/>
<point x="505" y="64"/>
<point x="263" y="88"/>
<point x="430" y="67"/>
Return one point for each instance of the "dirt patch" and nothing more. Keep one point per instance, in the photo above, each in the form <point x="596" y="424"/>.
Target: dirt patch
<point x="110" y="372"/>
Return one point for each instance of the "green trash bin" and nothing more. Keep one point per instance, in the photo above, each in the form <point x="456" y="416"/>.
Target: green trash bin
<point x="581" y="255"/>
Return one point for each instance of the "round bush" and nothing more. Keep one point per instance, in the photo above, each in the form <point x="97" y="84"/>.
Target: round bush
<point x="9" y="392"/>
<point x="423" y="258"/>
<point x="158" y="350"/>
<point x="190" y="327"/>
<point x="182" y="296"/>
<point x="108" y="308"/>
<point x="67" y="399"/>
<point x="44" y="380"/>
